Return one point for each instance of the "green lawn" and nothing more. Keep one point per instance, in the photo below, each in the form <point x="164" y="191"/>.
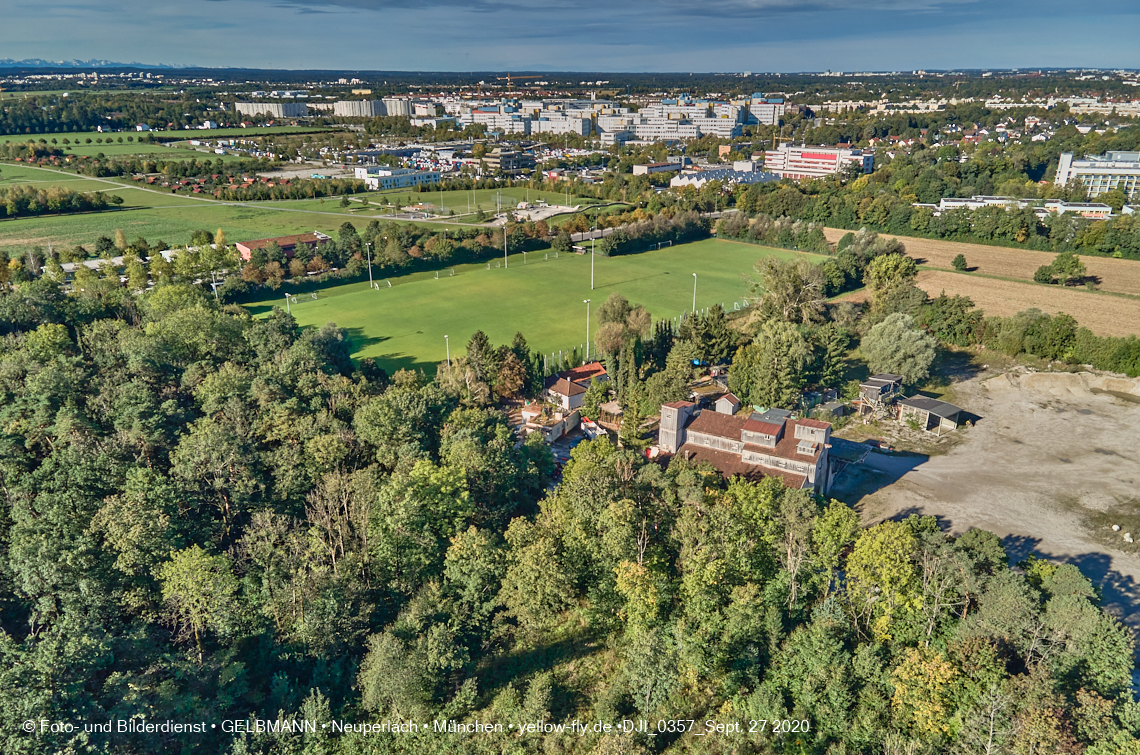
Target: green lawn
<point x="404" y="326"/>
<point x="170" y="218"/>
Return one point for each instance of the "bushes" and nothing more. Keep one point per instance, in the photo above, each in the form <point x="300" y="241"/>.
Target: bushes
<point x="1112" y="354"/>
<point x="785" y="232"/>
<point x="1044" y="274"/>
<point x="953" y="320"/>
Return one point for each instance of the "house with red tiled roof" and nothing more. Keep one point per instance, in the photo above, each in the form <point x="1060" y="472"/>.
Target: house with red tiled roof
<point x="772" y="444"/>
<point x="288" y="244"/>
<point x="568" y="388"/>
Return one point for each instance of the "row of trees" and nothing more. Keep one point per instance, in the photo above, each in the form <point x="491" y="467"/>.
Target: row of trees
<point x="297" y="188"/>
<point x="22" y="200"/>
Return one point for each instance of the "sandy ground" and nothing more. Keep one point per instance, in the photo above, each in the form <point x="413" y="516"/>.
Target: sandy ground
<point x="1102" y="314"/>
<point x="1050" y="466"/>
<point x="1119" y="276"/>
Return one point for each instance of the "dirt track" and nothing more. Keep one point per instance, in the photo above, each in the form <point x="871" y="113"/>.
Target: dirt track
<point x="1050" y="466"/>
<point x="1119" y="276"/>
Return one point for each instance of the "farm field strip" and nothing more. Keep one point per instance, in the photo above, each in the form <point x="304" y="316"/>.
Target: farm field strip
<point x="1117" y="276"/>
<point x="1104" y="315"/>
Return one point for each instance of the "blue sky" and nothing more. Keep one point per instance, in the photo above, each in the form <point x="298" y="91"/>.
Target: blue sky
<point x="580" y="35"/>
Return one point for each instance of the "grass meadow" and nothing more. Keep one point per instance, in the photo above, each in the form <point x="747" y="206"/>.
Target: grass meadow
<point x="157" y="214"/>
<point x="404" y="326"/>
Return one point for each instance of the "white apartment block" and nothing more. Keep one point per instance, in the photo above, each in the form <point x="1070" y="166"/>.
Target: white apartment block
<point x="1102" y="173"/>
<point x="379" y="177"/>
<point x="506" y="123"/>
<point x="815" y="162"/>
<point x="274" y="109"/>
<point x="359" y="108"/>
<point x="397" y="106"/>
<point x="557" y="123"/>
<point x="767" y="113"/>
<point x="1090" y="106"/>
<point x="719" y="127"/>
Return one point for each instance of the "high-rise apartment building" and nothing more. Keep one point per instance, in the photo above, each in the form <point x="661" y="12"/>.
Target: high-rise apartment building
<point x="1102" y="173"/>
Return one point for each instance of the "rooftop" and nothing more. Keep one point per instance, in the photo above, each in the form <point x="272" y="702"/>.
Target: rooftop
<point x="287" y="241"/>
<point x="935" y="407"/>
<point x="564" y="387"/>
<point x="765" y="428"/>
<point x="715" y="423"/>
<point x="731" y="465"/>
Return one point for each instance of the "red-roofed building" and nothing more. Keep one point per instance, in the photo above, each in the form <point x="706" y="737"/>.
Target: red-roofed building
<point x="287" y="243"/>
<point x="568" y="388"/>
<point x="774" y="445"/>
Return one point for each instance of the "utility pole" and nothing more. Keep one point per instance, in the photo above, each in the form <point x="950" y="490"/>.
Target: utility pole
<point x="447" y="345"/>
<point x="368" y="246"/>
<point x="694" y="293"/>
<point x="587" y="303"/>
<point x="504" y="245"/>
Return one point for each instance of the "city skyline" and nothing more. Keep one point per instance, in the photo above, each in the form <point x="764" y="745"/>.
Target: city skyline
<point x="580" y="35"/>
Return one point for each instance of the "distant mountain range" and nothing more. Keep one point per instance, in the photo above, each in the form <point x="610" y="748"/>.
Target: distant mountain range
<point x="41" y="63"/>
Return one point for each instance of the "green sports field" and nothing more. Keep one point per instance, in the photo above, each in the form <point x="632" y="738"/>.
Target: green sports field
<point x="404" y="326"/>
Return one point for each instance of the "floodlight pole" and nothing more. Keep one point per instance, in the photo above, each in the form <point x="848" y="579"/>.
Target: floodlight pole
<point x="592" y="240"/>
<point x="694" y="293"/>
<point x="505" y="264"/>
<point x="288" y="310"/>
<point x="368" y="245"/>
<point x="447" y="345"/>
<point x="587" y="303"/>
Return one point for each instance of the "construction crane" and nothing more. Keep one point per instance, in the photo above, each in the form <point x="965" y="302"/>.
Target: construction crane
<point x="508" y="78"/>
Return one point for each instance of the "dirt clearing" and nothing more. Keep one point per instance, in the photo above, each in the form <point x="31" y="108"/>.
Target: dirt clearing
<point x="1102" y="314"/>
<point x="1049" y="467"/>
<point x="1118" y="276"/>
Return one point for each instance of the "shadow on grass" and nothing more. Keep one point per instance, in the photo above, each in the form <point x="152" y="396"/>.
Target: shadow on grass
<point x="631" y="280"/>
<point x="357" y="341"/>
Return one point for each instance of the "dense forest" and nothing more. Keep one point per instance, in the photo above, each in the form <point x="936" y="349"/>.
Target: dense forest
<point x="210" y="518"/>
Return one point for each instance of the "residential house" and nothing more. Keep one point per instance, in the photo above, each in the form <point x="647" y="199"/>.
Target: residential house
<point x="568" y="388"/>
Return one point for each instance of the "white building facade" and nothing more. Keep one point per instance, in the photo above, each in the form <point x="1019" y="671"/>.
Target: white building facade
<point x="377" y="177"/>
<point x="815" y="162"/>
<point x="1103" y="173"/>
<point x="273" y="109"/>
